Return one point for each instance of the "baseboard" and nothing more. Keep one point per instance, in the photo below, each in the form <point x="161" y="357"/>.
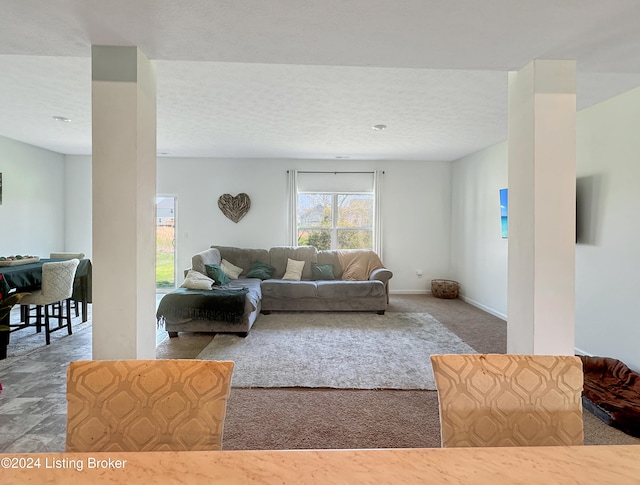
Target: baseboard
<point x="504" y="317"/>
<point x="482" y="307"/>
<point x="582" y="352"/>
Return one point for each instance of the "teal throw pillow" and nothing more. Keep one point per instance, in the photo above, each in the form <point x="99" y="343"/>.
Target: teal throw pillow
<point x="322" y="272"/>
<point x="260" y="270"/>
<point x="216" y="274"/>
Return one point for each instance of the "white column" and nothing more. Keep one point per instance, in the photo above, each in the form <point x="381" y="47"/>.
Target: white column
<point x="542" y="204"/>
<point x="124" y="189"/>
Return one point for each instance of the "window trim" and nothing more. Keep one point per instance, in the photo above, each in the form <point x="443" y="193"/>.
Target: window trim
<point x="334" y="228"/>
<point x="377" y="189"/>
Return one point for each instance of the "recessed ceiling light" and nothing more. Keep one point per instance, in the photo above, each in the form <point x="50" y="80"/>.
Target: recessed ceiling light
<point x="62" y="119"/>
<point x="379" y="127"/>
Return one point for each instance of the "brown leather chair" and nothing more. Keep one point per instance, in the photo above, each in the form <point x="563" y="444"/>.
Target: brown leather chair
<point x="509" y="400"/>
<point x="146" y="405"/>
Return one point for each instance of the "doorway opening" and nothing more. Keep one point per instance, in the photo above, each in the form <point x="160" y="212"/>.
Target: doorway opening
<point x="165" y="243"/>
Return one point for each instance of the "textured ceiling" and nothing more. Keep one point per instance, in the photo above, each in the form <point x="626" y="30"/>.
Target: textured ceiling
<point x="308" y="79"/>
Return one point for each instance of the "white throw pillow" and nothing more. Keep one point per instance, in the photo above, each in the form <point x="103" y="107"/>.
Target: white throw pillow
<point x="230" y="270"/>
<point x="197" y="281"/>
<point x="294" y="270"/>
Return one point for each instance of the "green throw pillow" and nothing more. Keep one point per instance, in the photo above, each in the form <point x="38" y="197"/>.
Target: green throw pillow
<point x="260" y="270"/>
<point x="215" y="272"/>
<point x="322" y="272"/>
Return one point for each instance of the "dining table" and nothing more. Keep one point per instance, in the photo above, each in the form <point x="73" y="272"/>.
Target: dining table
<point x="28" y="277"/>
<point x="545" y="465"/>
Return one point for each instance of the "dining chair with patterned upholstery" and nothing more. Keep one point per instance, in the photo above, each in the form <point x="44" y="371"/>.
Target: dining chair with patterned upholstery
<point x="146" y="405"/>
<point x="63" y="255"/>
<point x="509" y="400"/>
<point x="53" y="297"/>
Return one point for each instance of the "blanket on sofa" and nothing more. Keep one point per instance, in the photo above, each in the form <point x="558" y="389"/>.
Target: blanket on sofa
<point x="358" y="265"/>
<point x="612" y="393"/>
<point x="182" y="304"/>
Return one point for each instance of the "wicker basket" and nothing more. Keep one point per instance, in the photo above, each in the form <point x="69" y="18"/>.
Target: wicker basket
<point x="447" y="289"/>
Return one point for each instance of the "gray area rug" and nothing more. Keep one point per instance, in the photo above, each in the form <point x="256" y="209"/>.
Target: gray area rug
<point x="337" y="350"/>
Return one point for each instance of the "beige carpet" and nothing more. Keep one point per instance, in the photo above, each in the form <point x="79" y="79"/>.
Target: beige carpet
<point x="273" y="418"/>
<point x="337" y="350"/>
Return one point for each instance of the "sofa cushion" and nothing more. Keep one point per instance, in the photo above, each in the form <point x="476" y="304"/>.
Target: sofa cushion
<point x="255" y="291"/>
<point x="342" y="290"/>
<point x="230" y="269"/>
<point x="280" y="255"/>
<point x="243" y="257"/>
<point x="208" y="256"/>
<point x="322" y="272"/>
<point x="260" y="270"/>
<point x="197" y="281"/>
<point x="289" y="289"/>
<point x="329" y="256"/>
<point x="294" y="270"/>
<point x="357" y="264"/>
<point x="216" y="273"/>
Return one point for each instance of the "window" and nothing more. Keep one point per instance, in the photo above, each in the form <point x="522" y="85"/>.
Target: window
<point x="335" y="210"/>
<point x="165" y="243"/>
<point x="335" y="221"/>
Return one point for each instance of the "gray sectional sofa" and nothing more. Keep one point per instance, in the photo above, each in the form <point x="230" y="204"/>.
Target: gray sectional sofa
<point x="368" y="292"/>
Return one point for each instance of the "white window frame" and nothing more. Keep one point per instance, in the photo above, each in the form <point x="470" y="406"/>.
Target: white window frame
<point x="334" y="228"/>
<point x="368" y="182"/>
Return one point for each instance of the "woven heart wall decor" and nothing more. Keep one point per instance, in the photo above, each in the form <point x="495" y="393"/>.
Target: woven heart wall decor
<point x="235" y="208"/>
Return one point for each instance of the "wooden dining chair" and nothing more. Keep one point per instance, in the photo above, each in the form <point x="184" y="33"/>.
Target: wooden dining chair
<point x="509" y="400"/>
<point x="53" y="297"/>
<point x="146" y="405"/>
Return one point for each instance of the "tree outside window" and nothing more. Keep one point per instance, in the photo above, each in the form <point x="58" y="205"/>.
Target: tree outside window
<point x="335" y="220"/>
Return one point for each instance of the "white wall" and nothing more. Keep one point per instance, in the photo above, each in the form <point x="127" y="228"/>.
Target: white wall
<point x="32" y="215"/>
<point x="479" y="254"/>
<point x="77" y="205"/>
<point x="417" y="224"/>
<point x="416" y="209"/>
<point x="607" y="254"/>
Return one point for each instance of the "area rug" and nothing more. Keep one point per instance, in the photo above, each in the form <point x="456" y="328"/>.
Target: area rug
<point x="337" y="350"/>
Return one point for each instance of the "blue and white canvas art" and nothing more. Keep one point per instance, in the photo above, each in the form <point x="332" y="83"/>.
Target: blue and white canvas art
<point x="504" y="212"/>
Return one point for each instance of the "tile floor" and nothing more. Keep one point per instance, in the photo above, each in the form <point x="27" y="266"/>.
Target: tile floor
<point x="33" y="405"/>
